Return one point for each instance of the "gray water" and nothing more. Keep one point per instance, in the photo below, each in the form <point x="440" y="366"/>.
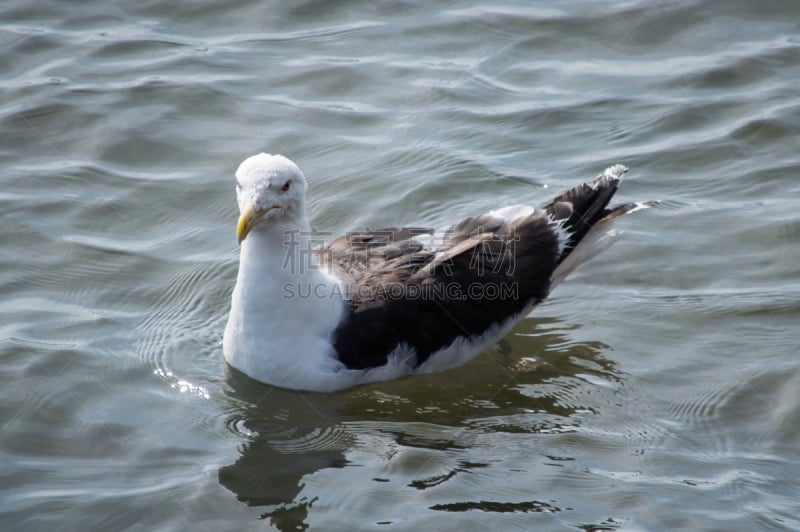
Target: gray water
<point x="666" y="388"/>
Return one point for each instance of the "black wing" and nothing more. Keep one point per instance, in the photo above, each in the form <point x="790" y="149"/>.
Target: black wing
<point x="400" y="291"/>
<point x="484" y="271"/>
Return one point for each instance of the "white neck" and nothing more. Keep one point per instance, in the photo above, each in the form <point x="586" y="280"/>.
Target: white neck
<point x="284" y="307"/>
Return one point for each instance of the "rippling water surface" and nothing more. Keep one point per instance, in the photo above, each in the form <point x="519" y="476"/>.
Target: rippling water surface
<point x="665" y="392"/>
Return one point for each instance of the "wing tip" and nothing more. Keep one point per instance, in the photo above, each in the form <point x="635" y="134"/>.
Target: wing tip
<point x="615" y="171"/>
<point x="628" y="208"/>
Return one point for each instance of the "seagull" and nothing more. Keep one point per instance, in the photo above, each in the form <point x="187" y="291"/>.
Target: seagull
<point x="377" y="305"/>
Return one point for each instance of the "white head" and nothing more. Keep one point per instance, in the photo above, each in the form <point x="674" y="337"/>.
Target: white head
<point x="270" y="189"/>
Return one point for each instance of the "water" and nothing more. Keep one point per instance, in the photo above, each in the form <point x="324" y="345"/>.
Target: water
<point x="665" y="389"/>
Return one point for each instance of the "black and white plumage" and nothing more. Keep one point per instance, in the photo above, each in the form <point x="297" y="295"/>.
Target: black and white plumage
<point x="378" y="305"/>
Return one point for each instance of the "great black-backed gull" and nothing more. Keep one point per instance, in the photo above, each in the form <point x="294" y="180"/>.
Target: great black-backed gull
<point x="378" y="305"/>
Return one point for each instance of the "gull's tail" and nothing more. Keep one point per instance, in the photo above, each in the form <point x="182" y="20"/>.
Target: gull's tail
<point x="585" y="217"/>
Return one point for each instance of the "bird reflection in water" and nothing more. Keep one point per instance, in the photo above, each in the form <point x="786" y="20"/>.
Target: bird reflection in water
<point x="527" y="384"/>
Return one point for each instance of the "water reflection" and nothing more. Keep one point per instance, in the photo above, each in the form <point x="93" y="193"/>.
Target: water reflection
<point x="290" y="435"/>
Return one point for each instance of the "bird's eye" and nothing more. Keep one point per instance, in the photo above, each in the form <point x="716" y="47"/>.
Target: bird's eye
<point x="238" y="186"/>
<point x="285" y="187"/>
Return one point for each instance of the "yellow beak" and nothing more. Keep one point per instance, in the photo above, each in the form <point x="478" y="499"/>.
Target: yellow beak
<point x="249" y="217"/>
